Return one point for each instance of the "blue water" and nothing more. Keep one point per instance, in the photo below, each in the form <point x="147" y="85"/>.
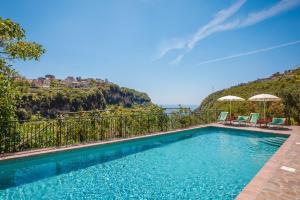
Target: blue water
<point x="206" y="163"/>
<point x="174" y="106"/>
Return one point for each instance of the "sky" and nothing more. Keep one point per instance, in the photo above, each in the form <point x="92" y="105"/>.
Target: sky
<point x="176" y="51"/>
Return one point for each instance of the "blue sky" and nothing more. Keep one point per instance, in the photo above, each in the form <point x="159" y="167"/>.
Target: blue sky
<point x="166" y="48"/>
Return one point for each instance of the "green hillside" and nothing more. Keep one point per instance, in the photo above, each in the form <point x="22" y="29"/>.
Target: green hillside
<point x="48" y="102"/>
<point x="285" y="85"/>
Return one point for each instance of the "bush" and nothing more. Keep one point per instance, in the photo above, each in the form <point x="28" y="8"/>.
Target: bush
<point x="23" y="114"/>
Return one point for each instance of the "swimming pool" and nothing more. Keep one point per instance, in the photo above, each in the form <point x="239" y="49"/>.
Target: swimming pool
<point x="204" y="163"/>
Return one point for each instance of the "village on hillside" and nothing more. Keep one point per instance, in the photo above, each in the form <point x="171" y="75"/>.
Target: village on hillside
<point x="72" y="82"/>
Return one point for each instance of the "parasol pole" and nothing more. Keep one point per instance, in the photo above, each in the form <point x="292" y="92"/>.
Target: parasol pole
<point x="264" y="110"/>
<point x="230" y="110"/>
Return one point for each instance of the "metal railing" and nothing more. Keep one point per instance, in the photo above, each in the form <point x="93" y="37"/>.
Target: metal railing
<point x="27" y="135"/>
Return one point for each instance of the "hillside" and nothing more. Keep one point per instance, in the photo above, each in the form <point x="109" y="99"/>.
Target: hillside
<point x="285" y="85"/>
<point x="47" y="99"/>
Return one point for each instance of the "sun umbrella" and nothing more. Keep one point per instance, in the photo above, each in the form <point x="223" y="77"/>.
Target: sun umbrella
<point x="230" y="99"/>
<point x="264" y="98"/>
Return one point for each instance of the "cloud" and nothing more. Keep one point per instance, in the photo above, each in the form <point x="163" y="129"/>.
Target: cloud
<point x="172" y="44"/>
<point x="256" y="17"/>
<point x="177" y="59"/>
<point x="220" y="17"/>
<point x="249" y="52"/>
<point x="281" y="6"/>
<point x="219" y="24"/>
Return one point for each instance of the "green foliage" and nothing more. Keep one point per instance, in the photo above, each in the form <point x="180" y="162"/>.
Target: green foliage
<point x="114" y="110"/>
<point x="54" y="83"/>
<point x="12" y="46"/>
<point x="10" y="30"/>
<point x="23" y="114"/>
<point x="24" y="50"/>
<point x="8" y="94"/>
<point x="49" y="102"/>
<point x="114" y="123"/>
<point x="285" y="85"/>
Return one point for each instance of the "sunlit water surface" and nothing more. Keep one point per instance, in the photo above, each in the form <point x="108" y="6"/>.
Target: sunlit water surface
<point x="207" y="163"/>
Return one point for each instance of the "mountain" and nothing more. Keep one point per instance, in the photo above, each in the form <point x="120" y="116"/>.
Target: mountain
<point x="47" y="96"/>
<point x="286" y="85"/>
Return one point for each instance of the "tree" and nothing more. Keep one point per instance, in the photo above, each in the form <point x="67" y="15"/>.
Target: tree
<point x="54" y="83"/>
<point x="13" y="46"/>
<point x="7" y="93"/>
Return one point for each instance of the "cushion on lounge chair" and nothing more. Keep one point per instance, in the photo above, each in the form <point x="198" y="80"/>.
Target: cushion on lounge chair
<point x="222" y="116"/>
<point x="241" y="119"/>
<point x="254" y="118"/>
<point x="277" y="121"/>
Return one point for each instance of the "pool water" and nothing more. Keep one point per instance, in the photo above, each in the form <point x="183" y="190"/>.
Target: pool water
<point x="204" y="163"/>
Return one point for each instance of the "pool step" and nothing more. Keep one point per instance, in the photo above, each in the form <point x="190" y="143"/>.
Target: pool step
<point x="274" y="141"/>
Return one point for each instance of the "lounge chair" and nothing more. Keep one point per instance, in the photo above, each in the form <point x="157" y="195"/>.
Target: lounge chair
<point x="277" y="122"/>
<point x="222" y="117"/>
<point x="253" y="119"/>
<point x="241" y="120"/>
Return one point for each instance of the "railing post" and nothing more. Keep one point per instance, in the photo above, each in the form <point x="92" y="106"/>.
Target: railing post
<point x="58" y="134"/>
<point x="215" y="116"/>
<point x="122" y="125"/>
<point x="148" y="121"/>
<point x="94" y="126"/>
<point x="101" y="128"/>
<point x="161" y="123"/>
<point x="140" y="116"/>
<point x="125" y="126"/>
<point x="14" y="135"/>
<point x="167" y="122"/>
<point x="207" y="117"/>
<point x="180" y="121"/>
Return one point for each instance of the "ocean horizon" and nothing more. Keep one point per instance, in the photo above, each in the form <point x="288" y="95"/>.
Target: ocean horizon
<point x="191" y="106"/>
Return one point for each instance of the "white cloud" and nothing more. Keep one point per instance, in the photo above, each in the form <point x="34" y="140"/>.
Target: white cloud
<point x="220" y="17"/>
<point x="218" y="25"/>
<point x="256" y="17"/>
<point x="177" y="59"/>
<point x="172" y="44"/>
<point x="249" y="52"/>
<point x="259" y="16"/>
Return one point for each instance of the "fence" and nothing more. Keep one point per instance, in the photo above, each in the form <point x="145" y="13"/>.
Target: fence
<point x="27" y="135"/>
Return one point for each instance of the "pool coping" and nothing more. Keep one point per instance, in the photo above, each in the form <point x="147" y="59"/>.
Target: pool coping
<point x="42" y="151"/>
<point x="266" y="184"/>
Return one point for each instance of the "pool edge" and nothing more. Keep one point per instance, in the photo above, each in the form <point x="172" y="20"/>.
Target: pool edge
<point x="42" y="151"/>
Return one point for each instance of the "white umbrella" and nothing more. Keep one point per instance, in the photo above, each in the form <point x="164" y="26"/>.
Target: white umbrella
<point x="230" y="99"/>
<point x="264" y="98"/>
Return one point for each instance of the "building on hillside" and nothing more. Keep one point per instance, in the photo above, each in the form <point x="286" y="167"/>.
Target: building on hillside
<point x="50" y="77"/>
<point x="70" y="79"/>
<point x="40" y="82"/>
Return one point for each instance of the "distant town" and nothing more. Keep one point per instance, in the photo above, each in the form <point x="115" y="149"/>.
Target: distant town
<point x="72" y="82"/>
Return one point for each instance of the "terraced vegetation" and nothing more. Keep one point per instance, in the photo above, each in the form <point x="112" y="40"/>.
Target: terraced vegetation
<point x="285" y="85"/>
<point x="49" y="102"/>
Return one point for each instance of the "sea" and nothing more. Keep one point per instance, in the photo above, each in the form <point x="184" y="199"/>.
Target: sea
<point x="172" y="107"/>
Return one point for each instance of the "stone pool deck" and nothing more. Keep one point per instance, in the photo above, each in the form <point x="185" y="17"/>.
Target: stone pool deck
<point x="278" y="179"/>
<point x="280" y="176"/>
